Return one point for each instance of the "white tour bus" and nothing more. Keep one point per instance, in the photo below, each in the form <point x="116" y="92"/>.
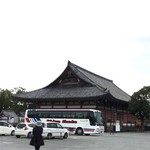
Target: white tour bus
<point x="77" y="121"/>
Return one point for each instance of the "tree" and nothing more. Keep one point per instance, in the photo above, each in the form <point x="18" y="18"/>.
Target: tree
<point x="18" y="106"/>
<point x="139" y="105"/>
<point x="5" y="100"/>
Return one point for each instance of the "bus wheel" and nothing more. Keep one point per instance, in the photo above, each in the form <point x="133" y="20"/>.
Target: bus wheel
<point x="79" y="131"/>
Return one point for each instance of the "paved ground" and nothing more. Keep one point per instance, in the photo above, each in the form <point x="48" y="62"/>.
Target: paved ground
<point x="119" y="141"/>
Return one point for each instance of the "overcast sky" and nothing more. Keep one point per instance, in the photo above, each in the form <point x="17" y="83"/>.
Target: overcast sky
<point x="108" y="37"/>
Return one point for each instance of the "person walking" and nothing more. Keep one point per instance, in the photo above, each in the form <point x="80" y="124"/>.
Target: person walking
<point x="37" y="139"/>
<point x="112" y="129"/>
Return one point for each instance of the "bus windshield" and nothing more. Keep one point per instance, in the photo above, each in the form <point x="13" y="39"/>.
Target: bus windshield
<point x="95" y="118"/>
<point x="99" y="120"/>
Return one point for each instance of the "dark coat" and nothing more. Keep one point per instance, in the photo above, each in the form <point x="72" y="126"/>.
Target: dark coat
<point x="37" y="139"/>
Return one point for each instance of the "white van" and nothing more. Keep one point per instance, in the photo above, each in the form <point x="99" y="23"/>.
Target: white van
<point x="54" y="129"/>
<point x="6" y="128"/>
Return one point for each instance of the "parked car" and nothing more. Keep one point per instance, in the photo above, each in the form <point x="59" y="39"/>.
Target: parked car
<point x="53" y="129"/>
<point x="24" y="129"/>
<point x="6" y="128"/>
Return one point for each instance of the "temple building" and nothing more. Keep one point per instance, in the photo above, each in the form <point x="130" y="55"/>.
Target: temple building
<point x="76" y="88"/>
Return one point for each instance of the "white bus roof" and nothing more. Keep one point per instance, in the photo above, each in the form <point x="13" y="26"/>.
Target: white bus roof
<point x="63" y="109"/>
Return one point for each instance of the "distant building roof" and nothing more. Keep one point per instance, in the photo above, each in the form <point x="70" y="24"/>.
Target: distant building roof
<point x="8" y="113"/>
<point x="76" y="82"/>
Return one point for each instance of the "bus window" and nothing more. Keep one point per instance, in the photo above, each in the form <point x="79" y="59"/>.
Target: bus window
<point x="59" y="115"/>
<point x="52" y="114"/>
<point x="66" y="114"/>
<point x="72" y="114"/>
<point x="46" y="115"/>
<point x="30" y="114"/>
<point x="92" y="118"/>
<point x="79" y="115"/>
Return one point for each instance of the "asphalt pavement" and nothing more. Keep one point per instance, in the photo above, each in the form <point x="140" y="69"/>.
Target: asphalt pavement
<point x="118" y="141"/>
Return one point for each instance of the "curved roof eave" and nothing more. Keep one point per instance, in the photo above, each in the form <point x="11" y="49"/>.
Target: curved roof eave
<point x="57" y="93"/>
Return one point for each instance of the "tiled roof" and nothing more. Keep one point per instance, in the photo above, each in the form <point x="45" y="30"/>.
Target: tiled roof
<point x="95" y="86"/>
<point x="102" y="82"/>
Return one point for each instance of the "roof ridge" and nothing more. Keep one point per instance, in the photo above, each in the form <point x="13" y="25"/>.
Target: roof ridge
<point x="89" y="71"/>
<point x="98" y="86"/>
